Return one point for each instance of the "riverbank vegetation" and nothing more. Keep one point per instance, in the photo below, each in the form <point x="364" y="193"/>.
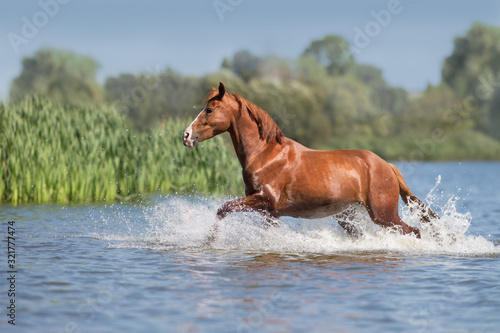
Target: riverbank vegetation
<point x="51" y="153"/>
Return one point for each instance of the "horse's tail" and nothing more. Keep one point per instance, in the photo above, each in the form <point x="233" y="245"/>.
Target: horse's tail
<point x="408" y="197"/>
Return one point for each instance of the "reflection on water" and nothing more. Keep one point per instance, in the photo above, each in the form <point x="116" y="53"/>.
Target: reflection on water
<point x="334" y="264"/>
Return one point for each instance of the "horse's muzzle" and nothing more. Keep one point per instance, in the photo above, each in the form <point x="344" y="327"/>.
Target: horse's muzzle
<point x="188" y="139"/>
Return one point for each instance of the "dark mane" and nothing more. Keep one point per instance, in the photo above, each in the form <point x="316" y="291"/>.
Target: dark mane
<point x="268" y="129"/>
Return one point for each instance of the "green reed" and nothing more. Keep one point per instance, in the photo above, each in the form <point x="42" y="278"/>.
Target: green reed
<point x="51" y="153"/>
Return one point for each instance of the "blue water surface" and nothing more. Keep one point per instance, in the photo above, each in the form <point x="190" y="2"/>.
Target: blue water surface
<point x="145" y="266"/>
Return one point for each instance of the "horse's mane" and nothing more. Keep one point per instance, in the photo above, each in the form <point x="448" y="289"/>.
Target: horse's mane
<point x="268" y="129"/>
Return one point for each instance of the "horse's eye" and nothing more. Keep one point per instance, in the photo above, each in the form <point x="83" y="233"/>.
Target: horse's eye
<point x="209" y="111"/>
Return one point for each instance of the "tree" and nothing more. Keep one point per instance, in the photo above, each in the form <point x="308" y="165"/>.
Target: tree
<point x="385" y="97"/>
<point x="294" y="107"/>
<point x="475" y="60"/>
<point x="350" y="107"/>
<point x="310" y="72"/>
<point x="436" y="108"/>
<point x="274" y="68"/>
<point x="494" y="115"/>
<point x="369" y="75"/>
<point x="63" y="76"/>
<point x="333" y="52"/>
<point x="120" y="93"/>
<point x="244" y="64"/>
<point x="148" y="97"/>
<point x="473" y="70"/>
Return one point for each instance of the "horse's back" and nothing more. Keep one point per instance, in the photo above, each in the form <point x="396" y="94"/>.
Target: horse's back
<point x="351" y="169"/>
<point x="344" y="157"/>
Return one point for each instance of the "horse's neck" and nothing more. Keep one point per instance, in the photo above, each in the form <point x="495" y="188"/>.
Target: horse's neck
<point x="246" y="139"/>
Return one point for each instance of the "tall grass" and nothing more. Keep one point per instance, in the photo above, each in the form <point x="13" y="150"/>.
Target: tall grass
<point x="50" y="153"/>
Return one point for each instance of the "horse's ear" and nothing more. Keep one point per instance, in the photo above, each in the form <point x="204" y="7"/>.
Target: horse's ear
<point x="222" y="90"/>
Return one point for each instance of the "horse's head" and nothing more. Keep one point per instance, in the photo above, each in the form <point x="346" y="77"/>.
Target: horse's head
<point x="215" y="118"/>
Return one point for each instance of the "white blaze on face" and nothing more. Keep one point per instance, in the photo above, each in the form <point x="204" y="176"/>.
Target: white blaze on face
<point x="189" y="138"/>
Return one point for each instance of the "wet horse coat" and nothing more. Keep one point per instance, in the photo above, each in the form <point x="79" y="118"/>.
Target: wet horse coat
<point x="284" y="178"/>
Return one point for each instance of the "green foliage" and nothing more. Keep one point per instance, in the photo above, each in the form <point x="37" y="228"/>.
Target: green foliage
<point x="369" y="75"/>
<point x="333" y="52"/>
<point x="473" y="72"/>
<point x="248" y="66"/>
<point x="467" y="145"/>
<point x="275" y="68"/>
<point x="234" y="82"/>
<point x="493" y="127"/>
<point x="64" y="77"/>
<point x="352" y="110"/>
<point x="413" y="146"/>
<point x="150" y="97"/>
<point x="293" y="106"/>
<point x="243" y="64"/>
<point x="51" y="153"/>
<point x="310" y="72"/>
<point x="475" y="58"/>
<point x="437" y="106"/>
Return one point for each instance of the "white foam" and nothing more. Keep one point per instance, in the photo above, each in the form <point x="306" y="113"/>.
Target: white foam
<point x="184" y="223"/>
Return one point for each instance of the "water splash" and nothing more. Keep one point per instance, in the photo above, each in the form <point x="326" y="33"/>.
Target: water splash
<point x="179" y="223"/>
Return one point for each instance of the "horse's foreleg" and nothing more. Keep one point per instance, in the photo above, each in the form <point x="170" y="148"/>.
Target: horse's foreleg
<point x="251" y="203"/>
<point x="255" y="202"/>
<point x="270" y="221"/>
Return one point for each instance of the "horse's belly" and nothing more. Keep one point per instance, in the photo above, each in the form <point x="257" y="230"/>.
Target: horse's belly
<point x="314" y="200"/>
<point x="312" y="211"/>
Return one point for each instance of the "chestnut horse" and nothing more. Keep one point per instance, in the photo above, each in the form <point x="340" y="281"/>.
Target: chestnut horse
<point x="284" y="178"/>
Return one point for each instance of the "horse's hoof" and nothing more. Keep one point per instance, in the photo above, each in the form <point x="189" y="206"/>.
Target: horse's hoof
<point x="270" y="224"/>
<point x="416" y="232"/>
<point x="211" y="235"/>
<point x="209" y="240"/>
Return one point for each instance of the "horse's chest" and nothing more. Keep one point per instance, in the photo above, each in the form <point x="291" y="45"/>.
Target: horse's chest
<point x="252" y="183"/>
<point x="263" y="181"/>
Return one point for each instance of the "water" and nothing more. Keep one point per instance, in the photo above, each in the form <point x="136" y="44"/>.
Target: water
<point x="144" y="267"/>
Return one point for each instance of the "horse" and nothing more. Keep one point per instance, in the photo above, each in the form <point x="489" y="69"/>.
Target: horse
<point x="284" y="178"/>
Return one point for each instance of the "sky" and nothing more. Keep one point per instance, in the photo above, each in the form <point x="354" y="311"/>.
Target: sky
<point x="407" y="39"/>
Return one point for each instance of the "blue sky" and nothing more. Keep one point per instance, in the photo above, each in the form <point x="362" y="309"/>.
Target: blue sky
<point x="192" y="36"/>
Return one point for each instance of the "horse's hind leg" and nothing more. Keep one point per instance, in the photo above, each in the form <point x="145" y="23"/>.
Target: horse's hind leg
<point x="383" y="210"/>
<point x="346" y="221"/>
<point x="387" y="216"/>
<point x="383" y="199"/>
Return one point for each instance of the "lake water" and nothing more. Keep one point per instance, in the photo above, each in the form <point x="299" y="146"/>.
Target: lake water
<point x="144" y="267"/>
